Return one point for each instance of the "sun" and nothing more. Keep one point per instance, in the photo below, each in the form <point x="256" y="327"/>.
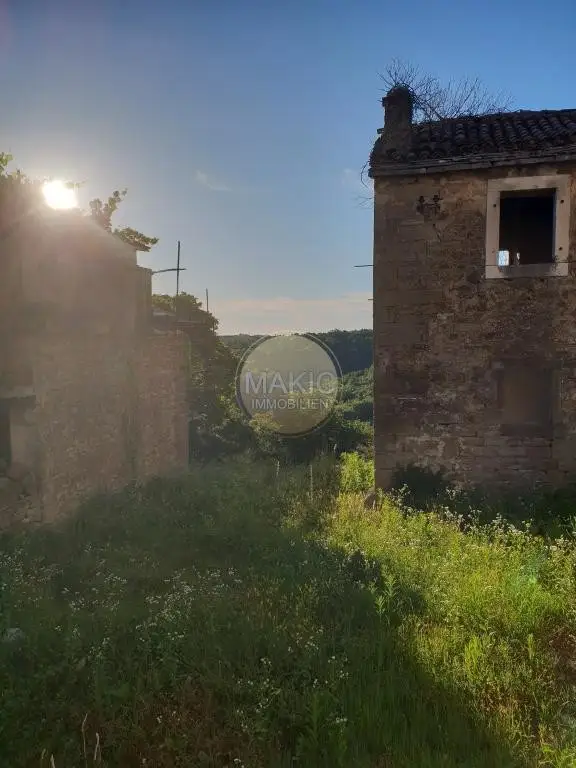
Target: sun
<point x="58" y="195"/>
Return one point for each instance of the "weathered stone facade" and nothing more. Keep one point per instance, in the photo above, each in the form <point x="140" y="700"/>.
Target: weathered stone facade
<point x="444" y="333"/>
<point x="92" y="399"/>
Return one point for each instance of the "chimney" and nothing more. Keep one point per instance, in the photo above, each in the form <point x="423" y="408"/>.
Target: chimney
<point x="398" y="105"/>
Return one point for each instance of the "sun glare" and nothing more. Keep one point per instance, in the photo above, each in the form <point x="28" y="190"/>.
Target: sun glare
<point x="58" y="195"/>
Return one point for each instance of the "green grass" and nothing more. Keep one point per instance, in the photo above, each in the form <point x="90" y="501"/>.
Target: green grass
<point x="235" y="619"/>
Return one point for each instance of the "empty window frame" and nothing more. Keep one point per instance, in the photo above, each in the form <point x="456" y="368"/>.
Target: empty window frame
<point x="526" y="395"/>
<point x="527" y="226"/>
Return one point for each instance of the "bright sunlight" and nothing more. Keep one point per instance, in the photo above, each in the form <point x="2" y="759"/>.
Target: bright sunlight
<point x="58" y="195"/>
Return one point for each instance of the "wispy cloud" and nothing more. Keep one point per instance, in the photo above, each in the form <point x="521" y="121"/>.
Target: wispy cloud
<point x="281" y="314"/>
<point x="208" y="181"/>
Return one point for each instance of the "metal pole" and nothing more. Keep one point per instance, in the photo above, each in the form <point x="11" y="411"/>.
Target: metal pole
<point x="207" y="306"/>
<point x="172" y="269"/>
<point x="364" y="265"/>
<point x="178" y="271"/>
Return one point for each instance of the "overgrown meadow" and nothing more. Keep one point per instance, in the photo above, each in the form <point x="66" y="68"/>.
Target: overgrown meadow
<point x="260" y="616"/>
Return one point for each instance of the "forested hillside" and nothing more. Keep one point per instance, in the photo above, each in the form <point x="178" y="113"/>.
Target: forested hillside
<point x="353" y="349"/>
<point x="350" y="427"/>
<point x="219" y="428"/>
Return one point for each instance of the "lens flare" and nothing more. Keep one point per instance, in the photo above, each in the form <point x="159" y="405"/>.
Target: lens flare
<point x="59" y="195"/>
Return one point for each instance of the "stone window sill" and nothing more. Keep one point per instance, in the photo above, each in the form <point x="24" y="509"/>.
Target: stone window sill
<point x="557" y="269"/>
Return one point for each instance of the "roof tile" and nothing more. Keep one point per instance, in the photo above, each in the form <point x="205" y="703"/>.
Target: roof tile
<point x="474" y="137"/>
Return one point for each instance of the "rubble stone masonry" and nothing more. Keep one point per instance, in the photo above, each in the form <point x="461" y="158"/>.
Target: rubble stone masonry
<point x="106" y="416"/>
<point x="443" y="333"/>
<point x="91" y="398"/>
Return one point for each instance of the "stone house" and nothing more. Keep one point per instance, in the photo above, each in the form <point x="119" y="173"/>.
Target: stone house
<point x="91" y="396"/>
<point x="475" y="295"/>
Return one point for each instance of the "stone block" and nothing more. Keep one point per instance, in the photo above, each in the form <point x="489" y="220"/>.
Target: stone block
<point x="434" y="297"/>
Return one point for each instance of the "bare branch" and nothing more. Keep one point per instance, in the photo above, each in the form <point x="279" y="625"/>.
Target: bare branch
<point x="434" y="101"/>
<point x="363" y="174"/>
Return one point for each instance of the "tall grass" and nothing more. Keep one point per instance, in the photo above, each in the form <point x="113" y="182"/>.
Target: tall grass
<point x="241" y="617"/>
<point x="356" y="473"/>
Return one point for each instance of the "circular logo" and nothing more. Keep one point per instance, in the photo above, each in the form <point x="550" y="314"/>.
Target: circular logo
<point x="291" y="382"/>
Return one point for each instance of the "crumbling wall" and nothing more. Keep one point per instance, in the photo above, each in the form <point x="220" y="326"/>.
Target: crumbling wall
<point x="162" y="415"/>
<point x="14" y="371"/>
<point x="108" y="411"/>
<point x="74" y="282"/>
<point x="83" y="401"/>
<point x="442" y="333"/>
<point x="90" y="399"/>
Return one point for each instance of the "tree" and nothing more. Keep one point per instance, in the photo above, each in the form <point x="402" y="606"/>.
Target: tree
<point x="102" y="214"/>
<point x="212" y="368"/>
<point x="339" y="434"/>
<point x="186" y="307"/>
<point x="19" y="195"/>
<point x="435" y="101"/>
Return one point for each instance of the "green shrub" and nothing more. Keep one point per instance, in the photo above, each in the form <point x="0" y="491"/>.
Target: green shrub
<point x="253" y="615"/>
<point x="356" y="473"/>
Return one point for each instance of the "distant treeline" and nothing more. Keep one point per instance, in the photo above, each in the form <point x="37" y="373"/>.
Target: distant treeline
<point x="353" y="349"/>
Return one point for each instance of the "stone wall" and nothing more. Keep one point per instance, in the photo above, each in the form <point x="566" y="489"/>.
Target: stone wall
<point x="442" y="333"/>
<point x="90" y="398"/>
<point x="77" y="278"/>
<point x="14" y="370"/>
<point x="105" y="414"/>
<point x="162" y="375"/>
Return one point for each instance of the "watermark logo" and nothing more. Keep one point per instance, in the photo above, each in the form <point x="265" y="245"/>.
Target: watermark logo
<point x="292" y="382"/>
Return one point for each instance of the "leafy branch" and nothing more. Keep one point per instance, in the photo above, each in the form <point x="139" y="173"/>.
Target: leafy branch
<point x="102" y="212"/>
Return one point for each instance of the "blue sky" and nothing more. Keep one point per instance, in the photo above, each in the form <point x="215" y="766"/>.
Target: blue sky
<point x="240" y="127"/>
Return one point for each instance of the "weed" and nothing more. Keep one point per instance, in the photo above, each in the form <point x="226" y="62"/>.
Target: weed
<point x="235" y="618"/>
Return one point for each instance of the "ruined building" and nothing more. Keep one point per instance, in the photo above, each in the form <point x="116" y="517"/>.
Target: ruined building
<point x="91" y="397"/>
<point x="475" y="295"/>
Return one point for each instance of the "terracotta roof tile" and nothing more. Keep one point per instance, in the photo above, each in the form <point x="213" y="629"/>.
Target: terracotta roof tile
<point x="475" y="137"/>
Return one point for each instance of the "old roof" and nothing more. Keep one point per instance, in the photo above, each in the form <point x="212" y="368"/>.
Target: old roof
<point x="480" y="141"/>
<point x="68" y="226"/>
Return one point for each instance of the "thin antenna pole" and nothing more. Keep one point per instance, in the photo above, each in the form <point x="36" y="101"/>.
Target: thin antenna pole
<point x="178" y="271"/>
<point x="207" y="305"/>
